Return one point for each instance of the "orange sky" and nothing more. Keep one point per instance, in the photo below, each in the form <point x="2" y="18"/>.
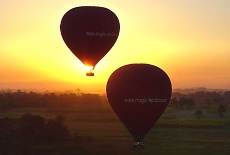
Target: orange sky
<point x="189" y="40"/>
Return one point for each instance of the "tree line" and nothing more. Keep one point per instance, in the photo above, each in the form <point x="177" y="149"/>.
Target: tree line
<point x="34" y="128"/>
<point x="19" y="99"/>
<point x="31" y="128"/>
<point x="215" y="100"/>
<point x="200" y="98"/>
<point x="18" y="135"/>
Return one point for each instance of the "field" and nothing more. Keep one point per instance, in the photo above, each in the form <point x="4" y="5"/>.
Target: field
<point x="100" y="132"/>
<point x="97" y="130"/>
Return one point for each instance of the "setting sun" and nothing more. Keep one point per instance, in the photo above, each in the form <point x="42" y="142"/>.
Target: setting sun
<point x="88" y="70"/>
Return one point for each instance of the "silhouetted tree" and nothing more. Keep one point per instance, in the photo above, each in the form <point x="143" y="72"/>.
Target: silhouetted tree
<point x="226" y="97"/>
<point x="182" y="102"/>
<point x="218" y="100"/>
<point x="59" y="118"/>
<point x="208" y="102"/>
<point x="55" y="129"/>
<point x="186" y="102"/>
<point x="190" y="102"/>
<point x="199" y="113"/>
<point x="221" y="109"/>
<point x="32" y="127"/>
<point x="174" y="102"/>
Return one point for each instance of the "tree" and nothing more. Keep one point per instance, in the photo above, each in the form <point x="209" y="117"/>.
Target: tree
<point x="59" y="118"/>
<point x="186" y="102"/>
<point x="182" y="102"/>
<point x="208" y="102"/>
<point x="55" y="128"/>
<point x="174" y="102"/>
<point x="190" y="102"/>
<point x="199" y="113"/>
<point x="226" y="96"/>
<point x="32" y="127"/>
<point x="221" y="109"/>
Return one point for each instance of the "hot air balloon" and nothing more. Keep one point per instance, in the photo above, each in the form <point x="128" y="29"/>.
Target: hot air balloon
<point x="139" y="94"/>
<point x="89" y="32"/>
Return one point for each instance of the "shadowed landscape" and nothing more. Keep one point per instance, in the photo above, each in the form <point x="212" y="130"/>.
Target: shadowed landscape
<point x="195" y="122"/>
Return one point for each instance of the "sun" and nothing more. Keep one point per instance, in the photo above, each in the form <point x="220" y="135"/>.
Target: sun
<point x="88" y="70"/>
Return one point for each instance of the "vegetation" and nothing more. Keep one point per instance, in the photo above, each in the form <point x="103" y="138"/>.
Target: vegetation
<point x="199" y="113"/>
<point x="74" y="123"/>
<point x="31" y="128"/>
<point x="221" y="109"/>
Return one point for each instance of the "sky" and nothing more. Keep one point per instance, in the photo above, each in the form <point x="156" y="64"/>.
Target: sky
<point x="188" y="39"/>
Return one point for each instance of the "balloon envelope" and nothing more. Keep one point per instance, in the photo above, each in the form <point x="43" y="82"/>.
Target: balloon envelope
<point x="139" y="94"/>
<point x="89" y="32"/>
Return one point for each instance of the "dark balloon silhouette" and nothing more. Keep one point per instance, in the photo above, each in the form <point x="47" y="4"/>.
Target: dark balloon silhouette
<point x="90" y="32"/>
<point x="139" y="94"/>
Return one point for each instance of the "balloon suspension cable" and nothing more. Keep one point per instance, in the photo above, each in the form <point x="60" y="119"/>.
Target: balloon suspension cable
<point x="90" y="73"/>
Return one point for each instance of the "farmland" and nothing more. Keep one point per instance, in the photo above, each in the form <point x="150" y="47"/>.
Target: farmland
<point x="95" y="129"/>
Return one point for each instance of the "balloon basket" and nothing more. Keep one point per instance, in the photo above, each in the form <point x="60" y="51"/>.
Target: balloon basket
<point x="138" y="145"/>
<point x="89" y="74"/>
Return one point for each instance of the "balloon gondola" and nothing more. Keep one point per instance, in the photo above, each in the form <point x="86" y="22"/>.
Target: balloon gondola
<point x="138" y="145"/>
<point x="139" y="94"/>
<point x="89" y="32"/>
